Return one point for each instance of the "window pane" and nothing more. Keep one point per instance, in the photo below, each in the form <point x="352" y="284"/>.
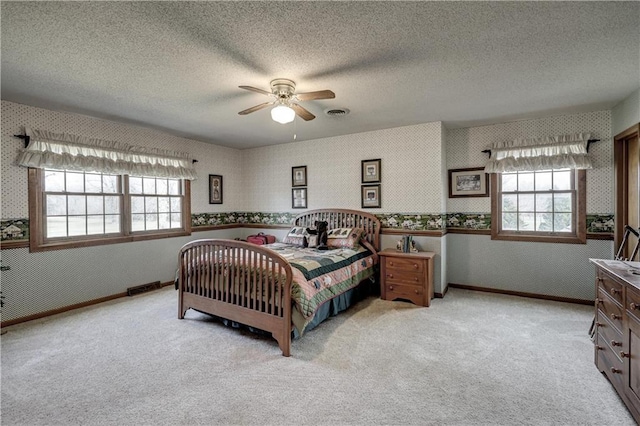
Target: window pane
<point x="176" y="221"/>
<point x="110" y="184"/>
<point x="510" y="221"/>
<point x="137" y="204"/>
<point x="526" y="222"/>
<point x="77" y="225"/>
<point x="562" y="222"/>
<point x="56" y="205"/>
<point x="164" y="221"/>
<point x="152" y="221"/>
<point x="111" y="204"/>
<point x="562" y="202"/>
<point x="112" y="224"/>
<point x="151" y="204"/>
<point x="93" y="183"/>
<point x="95" y="204"/>
<point x="163" y="204"/>
<point x="162" y="186"/>
<point x="53" y="181"/>
<point x="149" y="185"/>
<point x="509" y="182"/>
<point x="525" y="181"/>
<point x="137" y="222"/>
<point x="562" y="180"/>
<point x="56" y="227"/>
<point x="77" y="205"/>
<point x="526" y="202"/>
<point x="75" y="182"/>
<point x="510" y="203"/>
<point x="176" y="204"/>
<point x="135" y="185"/>
<point x="544" y="222"/>
<point x="544" y="202"/>
<point x="174" y="187"/>
<point x="543" y="181"/>
<point x="95" y="224"/>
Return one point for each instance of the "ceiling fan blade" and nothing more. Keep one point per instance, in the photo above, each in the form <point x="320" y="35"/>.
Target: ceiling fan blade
<point x="255" y="89"/>
<point x="320" y="94"/>
<point x="302" y="113"/>
<point x="255" y="108"/>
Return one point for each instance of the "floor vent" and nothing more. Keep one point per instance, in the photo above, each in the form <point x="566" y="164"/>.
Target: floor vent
<point x="131" y="291"/>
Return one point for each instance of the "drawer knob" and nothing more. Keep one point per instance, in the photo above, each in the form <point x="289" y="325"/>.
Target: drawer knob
<point x="598" y="301"/>
<point x="616" y="370"/>
<point x="599" y="324"/>
<point x="415" y="279"/>
<point x="599" y="348"/>
<point x="390" y="263"/>
<point x="389" y="275"/>
<point x="614" y="343"/>
<point x="623" y="354"/>
<point x="616" y="317"/>
<point x="615" y="291"/>
<point x="415" y="265"/>
<point x="416" y="291"/>
<point x="633" y="306"/>
<point x="390" y="287"/>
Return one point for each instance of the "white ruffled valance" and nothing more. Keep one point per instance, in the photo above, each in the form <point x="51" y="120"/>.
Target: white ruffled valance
<point x="549" y="153"/>
<point x="62" y="151"/>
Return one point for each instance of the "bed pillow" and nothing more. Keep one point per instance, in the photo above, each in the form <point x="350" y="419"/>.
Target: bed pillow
<point x="296" y="236"/>
<point x="344" y="237"/>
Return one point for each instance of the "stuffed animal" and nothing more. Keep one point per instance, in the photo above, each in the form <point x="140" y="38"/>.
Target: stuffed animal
<point x="319" y="234"/>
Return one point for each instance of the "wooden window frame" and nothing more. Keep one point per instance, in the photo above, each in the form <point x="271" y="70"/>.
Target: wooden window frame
<point x="579" y="216"/>
<point x="37" y="241"/>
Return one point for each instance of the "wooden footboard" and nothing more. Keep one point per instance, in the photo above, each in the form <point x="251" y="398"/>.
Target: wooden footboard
<point x="238" y="281"/>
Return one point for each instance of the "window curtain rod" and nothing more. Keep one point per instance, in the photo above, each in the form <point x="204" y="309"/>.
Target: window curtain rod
<point x="589" y="142"/>
<point x="27" y="139"/>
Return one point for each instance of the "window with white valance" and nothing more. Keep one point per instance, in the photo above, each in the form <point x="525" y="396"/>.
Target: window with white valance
<point x="548" y="153"/>
<point x="62" y="151"/>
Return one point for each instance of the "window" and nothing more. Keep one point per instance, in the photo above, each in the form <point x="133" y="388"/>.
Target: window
<point x="74" y="208"/>
<point x="542" y="205"/>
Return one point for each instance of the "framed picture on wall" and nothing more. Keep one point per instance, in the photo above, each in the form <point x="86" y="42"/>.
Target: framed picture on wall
<point x="299" y="176"/>
<point x="371" y="171"/>
<point x="299" y="198"/>
<point x="472" y="182"/>
<point x="215" y="189"/>
<point x="370" y="196"/>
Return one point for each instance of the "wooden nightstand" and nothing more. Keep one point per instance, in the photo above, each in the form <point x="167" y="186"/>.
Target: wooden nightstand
<point x="407" y="276"/>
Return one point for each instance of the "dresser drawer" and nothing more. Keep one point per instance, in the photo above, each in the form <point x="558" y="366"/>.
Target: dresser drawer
<point x="397" y="264"/>
<point x="610" y="286"/>
<point x="609" y="308"/>
<point x="404" y="277"/>
<point x="400" y="291"/>
<point x="608" y="335"/>
<point x="610" y="365"/>
<point x="633" y="302"/>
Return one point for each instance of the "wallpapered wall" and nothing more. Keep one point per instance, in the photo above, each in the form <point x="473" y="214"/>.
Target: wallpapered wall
<point x="561" y="270"/>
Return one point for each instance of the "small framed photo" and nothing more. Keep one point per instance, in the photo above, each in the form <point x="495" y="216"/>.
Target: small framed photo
<point x="299" y="176"/>
<point x="299" y="198"/>
<point x="370" y="196"/>
<point x="371" y="171"/>
<point x="472" y="182"/>
<point x="215" y="189"/>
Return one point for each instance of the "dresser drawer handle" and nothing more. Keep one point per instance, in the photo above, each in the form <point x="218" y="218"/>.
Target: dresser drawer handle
<point x="598" y="301"/>
<point x="391" y="287"/>
<point x="616" y="317"/>
<point x="616" y="370"/>
<point x="623" y="354"/>
<point x="416" y="291"/>
<point x="615" y="291"/>
<point x="390" y="263"/>
<point x="415" y="265"/>
<point x="389" y="275"/>
<point x="416" y="279"/>
<point x="599" y="324"/>
<point x="634" y="306"/>
<point x="599" y="348"/>
<point x="614" y="343"/>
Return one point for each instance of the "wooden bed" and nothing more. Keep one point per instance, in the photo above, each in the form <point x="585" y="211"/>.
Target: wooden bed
<point x="251" y="284"/>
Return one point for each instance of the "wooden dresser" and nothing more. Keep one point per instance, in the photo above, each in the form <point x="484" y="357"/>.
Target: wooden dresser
<point x="617" y="334"/>
<point x="407" y="276"/>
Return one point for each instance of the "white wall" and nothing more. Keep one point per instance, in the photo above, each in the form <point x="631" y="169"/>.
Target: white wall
<point x="541" y="268"/>
<point x="626" y="113"/>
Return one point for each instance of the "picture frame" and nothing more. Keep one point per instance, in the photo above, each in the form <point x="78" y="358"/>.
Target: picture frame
<point x="371" y="171"/>
<point x="371" y="196"/>
<point x="470" y="182"/>
<point x="299" y="198"/>
<point x="215" y="189"/>
<point x="299" y="176"/>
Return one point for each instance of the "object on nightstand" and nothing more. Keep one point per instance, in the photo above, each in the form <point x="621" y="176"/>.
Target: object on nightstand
<point x="406" y="245"/>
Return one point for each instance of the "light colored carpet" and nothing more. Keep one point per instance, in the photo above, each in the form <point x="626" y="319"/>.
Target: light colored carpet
<point x="470" y="359"/>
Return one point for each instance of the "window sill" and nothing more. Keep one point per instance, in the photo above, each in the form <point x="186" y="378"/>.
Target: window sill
<point x="569" y="239"/>
<point x="62" y="245"/>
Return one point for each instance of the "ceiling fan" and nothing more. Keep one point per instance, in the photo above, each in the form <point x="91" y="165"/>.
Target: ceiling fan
<point x="286" y="100"/>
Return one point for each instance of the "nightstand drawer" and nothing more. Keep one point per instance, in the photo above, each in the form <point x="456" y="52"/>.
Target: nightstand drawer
<point x="404" y="277"/>
<point x="400" y="291"/>
<point x="610" y="286"/>
<point x="407" y="265"/>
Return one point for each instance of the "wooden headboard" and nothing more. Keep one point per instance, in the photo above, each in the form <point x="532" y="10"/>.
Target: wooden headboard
<point x="343" y="218"/>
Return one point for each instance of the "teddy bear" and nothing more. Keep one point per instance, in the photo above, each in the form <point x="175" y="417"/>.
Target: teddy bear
<point x="319" y="234"/>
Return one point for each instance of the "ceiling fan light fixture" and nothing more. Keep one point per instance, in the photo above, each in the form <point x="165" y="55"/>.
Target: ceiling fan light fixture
<point x="283" y="114"/>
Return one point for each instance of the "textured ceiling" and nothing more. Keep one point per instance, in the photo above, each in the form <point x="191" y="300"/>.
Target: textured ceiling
<point x="176" y="66"/>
